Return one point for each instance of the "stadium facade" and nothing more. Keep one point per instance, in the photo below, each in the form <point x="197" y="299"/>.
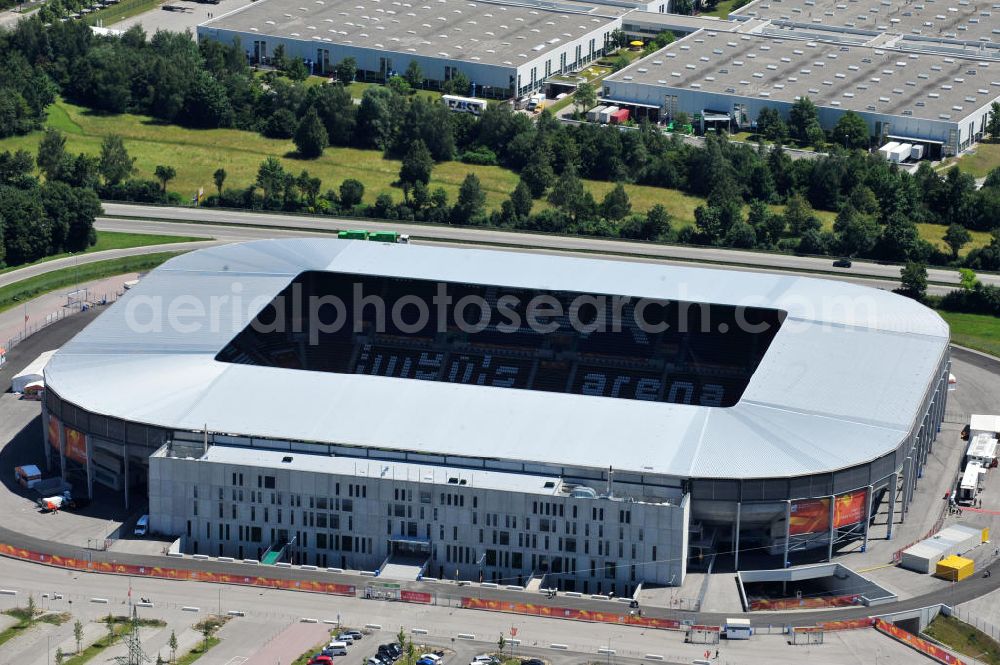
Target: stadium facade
<point x="743" y="414"/>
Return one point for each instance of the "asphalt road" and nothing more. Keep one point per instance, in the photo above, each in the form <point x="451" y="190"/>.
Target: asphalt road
<point x="536" y="241"/>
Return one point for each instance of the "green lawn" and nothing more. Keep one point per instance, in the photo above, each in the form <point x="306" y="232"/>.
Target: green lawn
<point x="721" y="10"/>
<point x="123" y="10"/>
<point x="26" y="289"/>
<point x="976" y="331"/>
<point x="114" y="240"/>
<point x="964" y="639"/>
<point x="984" y="158"/>
<point x="357" y="90"/>
<point x="934" y="233"/>
<point x="197" y="652"/>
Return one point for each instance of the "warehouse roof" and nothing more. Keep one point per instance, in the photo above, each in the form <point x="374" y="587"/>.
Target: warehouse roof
<point x="941" y="19"/>
<point x="859" y="78"/>
<point x="459" y="30"/>
<point x="842" y="382"/>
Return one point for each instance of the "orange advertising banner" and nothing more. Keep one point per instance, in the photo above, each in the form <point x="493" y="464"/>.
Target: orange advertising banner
<point x="76" y="445"/>
<point x="850" y="508"/>
<point x="820" y="602"/>
<point x="573" y="615"/>
<point x="53" y="432"/>
<point x="921" y="645"/>
<point x="809" y="516"/>
<point x="847" y="624"/>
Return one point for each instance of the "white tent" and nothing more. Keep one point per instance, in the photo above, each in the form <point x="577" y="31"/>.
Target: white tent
<point x="983" y="423"/>
<point x="31" y="373"/>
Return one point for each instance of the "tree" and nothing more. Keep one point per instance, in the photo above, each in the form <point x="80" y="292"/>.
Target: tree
<point x="458" y="84"/>
<point x="856" y="232"/>
<point x="501" y="643"/>
<point x="570" y="196"/>
<point x="271" y="178"/>
<point x="771" y="126"/>
<point x="618" y="38"/>
<point x="172" y="643"/>
<point x="538" y="176"/>
<point x="585" y="97"/>
<point x="309" y="186"/>
<point x="521" y="200"/>
<point x="346" y="69"/>
<point x="78" y="635"/>
<point x="310" y="136"/>
<point x="32" y="609"/>
<point x="401" y="638"/>
<point x="967" y="279"/>
<point x="60" y="656"/>
<point x="109" y="622"/>
<point x="115" y="164"/>
<point x="52" y="154"/>
<point x="741" y="235"/>
<point x="957" y="237"/>
<point x="159" y="660"/>
<point x="207" y="628"/>
<point x="471" y="200"/>
<point x="851" y="131"/>
<point x="616" y="204"/>
<point x="417" y="164"/>
<point x="993" y="124"/>
<point x="413" y="75"/>
<point x="799" y="216"/>
<point x="280" y="125"/>
<point x="399" y="85"/>
<point x="351" y="193"/>
<point x="657" y="222"/>
<point x="219" y="177"/>
<point x="802" y="116"/>
<point x="913" y="277"/>
<point x="165" y="174"/>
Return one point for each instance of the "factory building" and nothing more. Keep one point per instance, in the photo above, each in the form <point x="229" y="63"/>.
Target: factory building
<point x="939" y="101"/>
<point x="505" y="50"/>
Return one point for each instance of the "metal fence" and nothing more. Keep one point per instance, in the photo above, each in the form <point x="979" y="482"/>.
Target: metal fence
<point x="976" y="622"/>
<point x="72" y="307"/>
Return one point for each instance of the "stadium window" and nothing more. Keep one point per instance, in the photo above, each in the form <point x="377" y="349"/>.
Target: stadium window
<point x="562" y="510"/>
<point x="516" y="560"/>
<point x="388" y="527"/>
<point x="253" y="513"/>
<point x="442" y="498"/>
<point x="527" y="524"/>
<point x="220" y="494"/>
<point x="234" y="511"/>
<point x="260" y="482"/>
<point x="220" y="511"/>
<point x="609" y="570"/>
<point x="534" y="507"/>
<point x="347" y="506"/>
<point x="449" y="499"/>
<point x="321" y="541"/>
<point x="241" y="480"/>
<point x="195" y="487"/>
<point x="350" y="523"/>
<point x="220" y="531"/>
<point x="234" y="478"/>
<point x="454" y="531"/>
<point x="269" y="482"/>
<point x="208" y="530"/>
<point x="475" y="502"/>
<point x="350" y="490"/>
<point x="364" y="491"/>
<point x="265" y="514"/>
<point x="574" y="512"/>
<point x="337" y="489"/>
<point x="475" y="518"/>
<point x="195" y="512"/>
<point x="321" y="503"/>
<point x="189" y="529"/>
<point x="441" y="532"/>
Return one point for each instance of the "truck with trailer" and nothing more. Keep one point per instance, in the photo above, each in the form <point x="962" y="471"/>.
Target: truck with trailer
<point x="969" y="485"/>
<point x="887" y="149"/>
<point x="464" y="104"/>
<point x="594" y="114"/>
<point x="605" y="117"/>
<point x="619" y="117"/>
<point x="900" y="153"/>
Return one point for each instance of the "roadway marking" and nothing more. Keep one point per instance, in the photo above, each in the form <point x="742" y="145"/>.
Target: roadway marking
<point x="884" y="565"/>
<point x="237" y="660"/>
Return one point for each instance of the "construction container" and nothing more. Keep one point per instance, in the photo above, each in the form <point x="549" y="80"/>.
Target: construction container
<point x="606" y="114"/>
<point x="956" y="539"/>
<point x="917" y="151"/>
<point x="594" y="114"/>
<point x="619" y="117"/>
<point x="887" y="149"/>
<point x="901" y="153"/>
<point x="955" y="568"/>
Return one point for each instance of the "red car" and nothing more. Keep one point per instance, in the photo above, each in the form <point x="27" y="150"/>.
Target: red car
<point x="321" y="660"/>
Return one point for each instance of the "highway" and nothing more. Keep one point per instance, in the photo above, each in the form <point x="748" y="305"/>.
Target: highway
<point x="236" y="226"/>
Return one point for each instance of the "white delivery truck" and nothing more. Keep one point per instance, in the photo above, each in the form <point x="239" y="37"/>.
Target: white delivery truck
<point x="464" y="104"/>
<point x="737" y="629"/>
<point x="887" y="149"/>
<point x="594" y="114"/>
<point x="968" y="487"/>
<point x="917" y="151"/>
<point x="605" y="117"/>
<point x="900" y="154"/>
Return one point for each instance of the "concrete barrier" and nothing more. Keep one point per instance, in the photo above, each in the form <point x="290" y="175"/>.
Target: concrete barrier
<point x="251" y="562"/>
<point x="226" y="559"/>
<point x="606" y="651"/>
<point x="489" y="585"/>
<point x="331" y="622"/>
<point x="143" y="604"/>
<point x="623" y="599"/>
<point x="369" y="573"/>
<point x="200" y="557"/>
<point x="8" y="592"/>
<point x="466" y="636"/>
<point x="514" y="587"/>
<point x="598" y="596"/>
<point x="188" y="608"/>
<point x="308" y="567"/>
<point x="514" y="642"/>
<point x="561" y="647"/>
<point x="308" y="620"/>
<point x="653" y="656"/>
<point x="236" y="613"/>
<point x="373" y="626"/>
<point x="335" y="570"/>
<point x="418" y="631"/>
<point x="101" y="601"/>
<point x="176" y="554"/>
<point x="572" y="594"/>
<point x="282" y="564"/>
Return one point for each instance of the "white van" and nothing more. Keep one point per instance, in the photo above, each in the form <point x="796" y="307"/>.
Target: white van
<point x="142" y="526"/>
<point x="337" y="648"/>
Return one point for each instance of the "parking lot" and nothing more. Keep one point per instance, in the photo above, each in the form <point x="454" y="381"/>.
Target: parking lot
<point x="188" y="18"/>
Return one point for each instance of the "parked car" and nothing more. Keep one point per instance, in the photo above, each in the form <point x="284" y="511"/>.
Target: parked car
<point x="842" y="263"/>
<point x="355" y="634"/>
<point x="375" y="661"/>
<point x="532" y="661"/>
<point x="346" y="638"/>
<point x="320" y="659"/>
<point x="425" y="661"/>
<point x="386" y="654"/>
<point x="433" y="657"/>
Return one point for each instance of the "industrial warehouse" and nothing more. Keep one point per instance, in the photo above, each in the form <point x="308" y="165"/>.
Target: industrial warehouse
<point x="618" y="423"/>
<point x="505" y="50"/>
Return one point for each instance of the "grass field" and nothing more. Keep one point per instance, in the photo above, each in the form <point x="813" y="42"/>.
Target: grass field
<point x="26" y="289"/>
<point x="984" y="159"/>
<point x="197" y="652"/>
<point x="964" y="639"/>
<point x="123" y="10"/>
<point x="721" y="10"/>
<point x="114" y="240"/>
<point x="976" y="331"/>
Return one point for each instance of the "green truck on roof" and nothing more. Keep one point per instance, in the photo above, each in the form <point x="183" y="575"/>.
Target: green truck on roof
<point x="377" y="236"/>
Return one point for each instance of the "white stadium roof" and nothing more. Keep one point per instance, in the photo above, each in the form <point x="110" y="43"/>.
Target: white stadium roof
<point x="841" y="384"/>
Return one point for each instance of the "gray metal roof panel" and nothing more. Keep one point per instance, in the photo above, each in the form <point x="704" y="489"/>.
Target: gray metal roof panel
<point x="841" y="383"/>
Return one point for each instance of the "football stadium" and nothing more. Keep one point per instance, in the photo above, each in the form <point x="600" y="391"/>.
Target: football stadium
<point x="499" y="416"/>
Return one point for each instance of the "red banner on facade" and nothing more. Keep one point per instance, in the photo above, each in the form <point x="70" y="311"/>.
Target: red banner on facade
<point x="566" y="613"/>
<point x="53" y="432"/>
<point x="914" y="642"/>
<point x="178" y="574"/>
<point x="76" y="445"/>
<point x="809" y="516"/>
<point x="850" y="508"/>
<point x="775" y="604"/>
<point x="415" y="597"/>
